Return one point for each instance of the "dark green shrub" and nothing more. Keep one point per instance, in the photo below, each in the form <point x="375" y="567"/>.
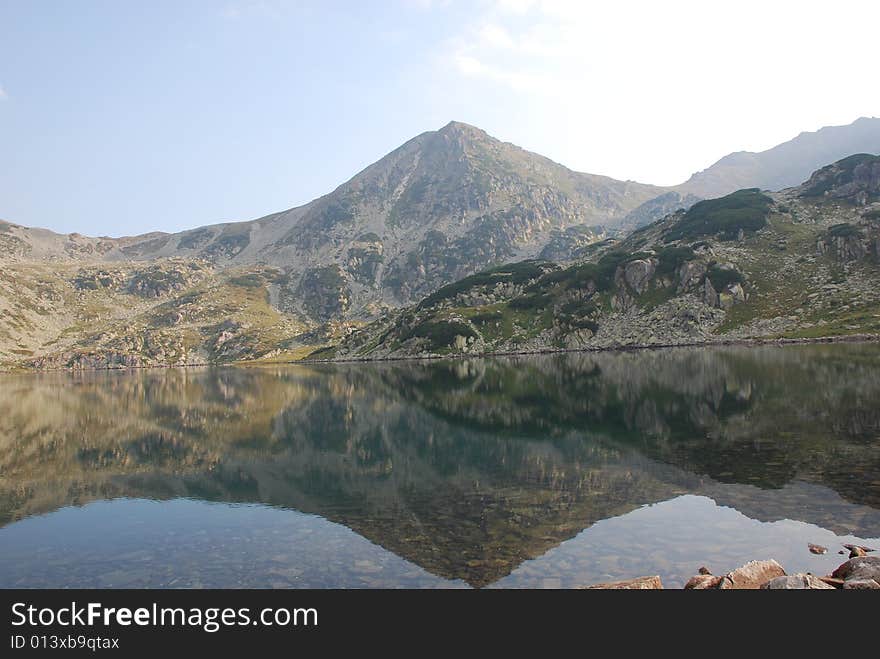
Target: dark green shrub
<point x="481" y="319"/>
<point x="579" y="307"/>
<point x="247" y="281"/>
<point x="745" y="210"/>
<point x="531" y="301"/>
<point x="516" y="273"/>
<point x="669" y="259"/>
<point x="723" y="277"/>
<point x="440" y="333"/>
<point x="844" y="231"/>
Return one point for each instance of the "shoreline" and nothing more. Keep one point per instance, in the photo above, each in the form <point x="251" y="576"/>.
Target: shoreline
<point x="747" y="342"/>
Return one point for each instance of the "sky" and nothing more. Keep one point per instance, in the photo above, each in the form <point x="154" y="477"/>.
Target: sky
<point x="120" y="117"/>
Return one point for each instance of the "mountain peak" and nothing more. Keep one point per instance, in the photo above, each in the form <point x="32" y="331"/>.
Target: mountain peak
<point x="460" y="127"/>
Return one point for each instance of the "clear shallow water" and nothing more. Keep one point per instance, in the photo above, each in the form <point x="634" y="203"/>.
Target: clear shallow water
<point x="551" y="471"/>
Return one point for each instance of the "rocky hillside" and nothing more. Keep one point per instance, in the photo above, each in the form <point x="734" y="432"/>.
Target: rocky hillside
<point x="800" y="263"/>
<point x="442" y="206"/>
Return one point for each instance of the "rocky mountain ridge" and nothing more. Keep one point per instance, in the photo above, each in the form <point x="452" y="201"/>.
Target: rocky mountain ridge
<point x="800" y="263"/>
<point x="443" y="206"/>
<point x="785" y="165"/>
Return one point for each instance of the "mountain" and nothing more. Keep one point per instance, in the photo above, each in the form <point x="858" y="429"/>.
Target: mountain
<point x="784" y="166"/>
<point x="443" y="206"/>
<point x="800" y="263"/>
<point x="787" y="164"/>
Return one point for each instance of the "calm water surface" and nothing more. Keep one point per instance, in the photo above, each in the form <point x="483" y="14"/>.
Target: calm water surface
<point x="550" y="471"/>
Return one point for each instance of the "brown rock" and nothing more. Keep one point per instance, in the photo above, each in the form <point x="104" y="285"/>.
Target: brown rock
<point x="817" y="549"/>
<point x="704" y="570"/>
<point x="858" y="550"/>
<point x="753" y="574"/>
<point x="639" y="583"/>
<point x="831" y="581"/>
<point x="703" y="582"/>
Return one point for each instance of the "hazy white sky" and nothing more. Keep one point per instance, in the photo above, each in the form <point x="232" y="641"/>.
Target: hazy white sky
<point x="124" y="117"/>
<point x="653" y="91"/>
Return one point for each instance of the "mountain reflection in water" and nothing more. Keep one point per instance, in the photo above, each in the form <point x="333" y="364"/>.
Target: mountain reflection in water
<point x="481" y="472"/>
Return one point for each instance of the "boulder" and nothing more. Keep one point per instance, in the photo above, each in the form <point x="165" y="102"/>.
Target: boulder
<point x="689" y="275"/>
<point x="703" y="582"/>
<point x="577" y="339"/>
<point x="796" y="582"/>
<point x="637" y="274"/>
<point x="861" y="567"/>
<point x="710" y="295"/>
<point x="752" y="575"/>
<point x="731" y="295"/>
<point x="861" y="584"/>
<point x="639" y="583"/>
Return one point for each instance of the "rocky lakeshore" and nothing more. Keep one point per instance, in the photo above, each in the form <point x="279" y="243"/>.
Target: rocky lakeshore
<point x="708" y="343"/>
<point x="860" y="572"/>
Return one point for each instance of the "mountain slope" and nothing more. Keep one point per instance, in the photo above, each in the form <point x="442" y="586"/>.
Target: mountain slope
<point x="801" y="263"/>
<point x="442" y="206"/>
<point x="786" y="164"/>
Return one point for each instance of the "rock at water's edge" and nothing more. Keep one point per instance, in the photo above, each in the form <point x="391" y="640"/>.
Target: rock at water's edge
<point x="639" y="583"/>
<point x="862" y="567"/>
<point x="752" y="575"/>
<point x="796" y="582"/>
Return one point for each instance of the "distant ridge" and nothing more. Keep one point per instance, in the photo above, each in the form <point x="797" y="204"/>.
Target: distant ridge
<point x="785" y="165"/>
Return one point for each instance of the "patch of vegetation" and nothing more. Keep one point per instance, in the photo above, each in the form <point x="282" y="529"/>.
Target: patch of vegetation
<point x="745" y="210"/>
<point x="723" y="277"/>
<point x="579" y="307"/>
<point x="486" y="317"/>
<point x="327" y="352"/>
<point x="655" y="296"/>
<point x="514" y="273"/>
<point x="671" y="258"/>
<point x="440" y="334"/>
<point x="534" y="300"/>
<point x="251" y="280"/>
<point x="844" y="230"/>
<point x="600" y="273"/>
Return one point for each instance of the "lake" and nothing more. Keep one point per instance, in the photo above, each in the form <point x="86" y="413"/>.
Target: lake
<point x="550" y="471"/>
